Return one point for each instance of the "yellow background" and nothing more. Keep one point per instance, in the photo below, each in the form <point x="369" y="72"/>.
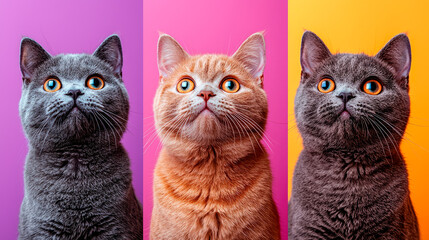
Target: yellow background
<point x="366" y="26"/>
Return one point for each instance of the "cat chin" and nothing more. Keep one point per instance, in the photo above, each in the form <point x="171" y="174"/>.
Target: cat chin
<point x="75" y="124"/>
<point x="206" y="124"/>
<point x="345" y="133"/>
<point x="207" y="114"/>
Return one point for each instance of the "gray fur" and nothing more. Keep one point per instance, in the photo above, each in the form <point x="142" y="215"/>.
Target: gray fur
<point x="77" y="174"/>
<point x="350" y="181"/>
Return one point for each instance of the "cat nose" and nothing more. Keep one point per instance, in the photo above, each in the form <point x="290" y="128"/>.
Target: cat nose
<point x="206" y="95"/>
<point x="74" y="93"/>
<point x="346" y="96"/>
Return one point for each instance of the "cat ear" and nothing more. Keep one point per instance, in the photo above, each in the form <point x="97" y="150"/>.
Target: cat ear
<point x="32" y="55"/>
<point x="170" y="54"/>
<point x="110" y="51"/>
<point x="252" y="54"/>
<point x="397" y="53"/>
<point x="313" y="52"/>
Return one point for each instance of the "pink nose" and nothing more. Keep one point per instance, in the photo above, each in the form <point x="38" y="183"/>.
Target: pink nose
<point x="206" y="95"/>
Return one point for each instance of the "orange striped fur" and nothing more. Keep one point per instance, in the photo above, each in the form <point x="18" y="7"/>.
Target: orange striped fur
<point x="213" y="178"/>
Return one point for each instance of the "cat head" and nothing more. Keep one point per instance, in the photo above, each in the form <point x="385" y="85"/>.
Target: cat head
<point x="73" y="96"/>
<point x="353" y="99"/>
<point x="210" y="98"/>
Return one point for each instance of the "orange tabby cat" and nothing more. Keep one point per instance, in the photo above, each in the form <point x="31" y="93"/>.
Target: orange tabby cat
<point x="213" y="178"/>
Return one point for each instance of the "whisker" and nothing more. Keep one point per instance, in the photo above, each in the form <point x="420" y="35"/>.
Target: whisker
<point x="376" y="132"/>
<point x="397" y="130"/>
<point x="254" y="150"/>
<point x="254" y="124"/>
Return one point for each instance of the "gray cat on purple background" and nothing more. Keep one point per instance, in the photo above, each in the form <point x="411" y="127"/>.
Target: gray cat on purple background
<point x="74" y="110"/>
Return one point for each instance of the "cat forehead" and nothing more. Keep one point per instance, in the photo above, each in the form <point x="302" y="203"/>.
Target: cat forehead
<point x="209" y="66"/>
<point x="73" y="66"/>
<point x="350" y="66"/>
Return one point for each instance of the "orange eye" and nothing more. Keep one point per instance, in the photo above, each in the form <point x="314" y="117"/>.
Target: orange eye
<point x="95" y="83"/>
<point x="52" y="85"/>
<point x="185" y="85"/>
<point x="326" y="85"/>
<point x="230" y="85"/>
<point x="372" y="87"/>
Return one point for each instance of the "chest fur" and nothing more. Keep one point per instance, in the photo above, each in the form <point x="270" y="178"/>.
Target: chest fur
<point x="210" y="202"/>
<point x="349" y="192"/>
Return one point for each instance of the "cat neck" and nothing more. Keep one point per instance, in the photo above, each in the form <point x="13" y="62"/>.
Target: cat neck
<point x="225" y="152"/>
<point x="78" y="161"/>
<point x="374" y="147"/>
<point x="85" y="149"/>
<point x="365" y="154"/>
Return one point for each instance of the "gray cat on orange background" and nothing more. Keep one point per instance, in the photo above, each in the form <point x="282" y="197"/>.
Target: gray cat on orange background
<point x="350" y="181"/>
<point x="213" y="178"/>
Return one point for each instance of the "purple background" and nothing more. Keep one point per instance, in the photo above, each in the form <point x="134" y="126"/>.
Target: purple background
<point x="220" y="27"/>
<point x="76" y="26"/>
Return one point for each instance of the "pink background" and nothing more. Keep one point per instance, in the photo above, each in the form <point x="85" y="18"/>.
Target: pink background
<point x="220" y="27"/>
<point x="76" y="26"/>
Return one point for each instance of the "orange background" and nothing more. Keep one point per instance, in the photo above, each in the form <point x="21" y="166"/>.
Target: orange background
<point x="366" y="26"/>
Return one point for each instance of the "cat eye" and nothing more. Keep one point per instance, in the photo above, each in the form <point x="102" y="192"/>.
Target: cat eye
<point x="230" y="85"/>
<point x="185" y="85"/>
<point x="372" y="87"/>
<point x="95" y="83"/>
<point x="52" y="85"/>
<point x="326" y="85"/>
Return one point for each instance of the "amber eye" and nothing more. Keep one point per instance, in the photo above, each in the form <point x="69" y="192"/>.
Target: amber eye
<point x="326" y="85"/>
<point x="52" y="85"/>
<point x="95" y="83"/>
<point x="372" y="87"/>
<point x="185" y="85"/>
<point x="230" y="85"/>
